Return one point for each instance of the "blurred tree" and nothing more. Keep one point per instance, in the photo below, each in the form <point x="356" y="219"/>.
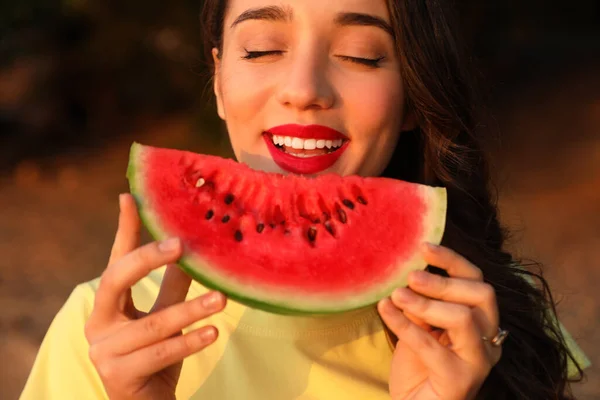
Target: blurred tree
<point x="80" y="71"/>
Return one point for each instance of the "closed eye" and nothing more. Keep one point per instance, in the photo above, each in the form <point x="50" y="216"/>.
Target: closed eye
<point x="369" y="62"/>
<point x="251" y="55"/>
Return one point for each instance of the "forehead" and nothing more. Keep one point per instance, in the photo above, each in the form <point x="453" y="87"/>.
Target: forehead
<point x="317" y="9"/>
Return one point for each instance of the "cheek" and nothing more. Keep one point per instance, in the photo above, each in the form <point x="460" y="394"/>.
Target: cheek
<point x="373" y="111"/>
<point x="244" y="89"/>
<point x="240" y="97"/>
<point x="244" y="105"/>
<point x="374" y="115"/>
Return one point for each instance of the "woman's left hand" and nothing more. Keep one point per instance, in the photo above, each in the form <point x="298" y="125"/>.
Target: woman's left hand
<point x="451" y="361"/>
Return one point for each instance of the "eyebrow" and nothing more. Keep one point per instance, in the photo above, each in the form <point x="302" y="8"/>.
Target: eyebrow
<point x="280" y="14"/>
<point x="270" y="13"/>
<point x="349" y="19"/>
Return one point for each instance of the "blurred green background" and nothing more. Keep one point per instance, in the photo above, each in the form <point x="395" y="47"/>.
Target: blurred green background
<point x="81" y="79"/>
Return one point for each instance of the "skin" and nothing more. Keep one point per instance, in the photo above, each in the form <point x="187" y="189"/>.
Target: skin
<point x="311" y="82"/>
<point x="139" y="356"/>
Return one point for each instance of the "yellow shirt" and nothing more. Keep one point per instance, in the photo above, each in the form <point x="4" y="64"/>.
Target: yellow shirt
<point x="258" y="355"/>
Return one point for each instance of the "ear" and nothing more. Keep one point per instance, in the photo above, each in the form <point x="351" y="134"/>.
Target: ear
<point x="409" y="122"/>
<point x="217" y="83"/>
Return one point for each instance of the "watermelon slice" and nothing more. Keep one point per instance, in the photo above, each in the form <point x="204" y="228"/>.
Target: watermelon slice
<point x="287" y="244"/>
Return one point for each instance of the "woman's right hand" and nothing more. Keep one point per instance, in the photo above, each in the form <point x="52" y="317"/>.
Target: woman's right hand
<point x="139" y="355"/>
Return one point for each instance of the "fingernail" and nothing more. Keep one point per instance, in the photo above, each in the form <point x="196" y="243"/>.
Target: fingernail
<point x="386" y="305"/>
<point x="430" y="247"/>
<point x="121" y="196"/>
<point x="212" y="301"/>
<point x="404" y="295"/>
<point x="209" y="334"/>
<point x="169" y="245"/>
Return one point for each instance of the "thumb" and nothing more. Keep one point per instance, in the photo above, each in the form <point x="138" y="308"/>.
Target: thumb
<point x="174" y="288"/>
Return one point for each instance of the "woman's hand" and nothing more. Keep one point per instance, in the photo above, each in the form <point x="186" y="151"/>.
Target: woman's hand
<point x="451" y="361"/>
<point x="139" y="355"/>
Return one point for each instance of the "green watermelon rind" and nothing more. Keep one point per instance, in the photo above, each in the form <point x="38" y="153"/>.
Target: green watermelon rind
<point x="193" y="265"/>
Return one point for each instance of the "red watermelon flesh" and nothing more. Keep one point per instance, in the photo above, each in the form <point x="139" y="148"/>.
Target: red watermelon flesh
<point x="286" y="243"/>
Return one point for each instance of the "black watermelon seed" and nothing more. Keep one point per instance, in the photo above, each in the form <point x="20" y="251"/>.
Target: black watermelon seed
<point x="342" y="215"/>
<point x="329" y="227"/>
<point x="238" y="236"/>
<point x="361" y="200"/>
<point x="312" y="234"/>
<point x="209" y="214"/>
<point x="260" y="228"/>
<point x="225" y="219"/>
<point x="348" y="204"/>
<point x="272" y="225"/>
<point x="287" y="232"/>
<point x="229" y="199"/>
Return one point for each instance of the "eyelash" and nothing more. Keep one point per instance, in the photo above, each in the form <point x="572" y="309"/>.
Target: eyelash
<point x="250" y="55"/>
<point x="369" y="62"/>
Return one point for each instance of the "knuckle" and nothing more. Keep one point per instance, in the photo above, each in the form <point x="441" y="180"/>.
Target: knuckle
<point x="488" y="293"/>
<point x="161" y="352"/>
<point x="95" y="354"/>
<point x="422" y="305"/>
<point x="402" y="324"/>
<point x="89" y="330"/>
<point x="154" y="325"/>
<point x="464" y="316"/>
<point x="107" y="282"/>
<point x="478" y="273"/>
<point x="443" y="284"/>
<point x="108" y="371"/>
<point x="424" y="341"/>
<point x="196" y="308"/>
<point x="143" y="255"/>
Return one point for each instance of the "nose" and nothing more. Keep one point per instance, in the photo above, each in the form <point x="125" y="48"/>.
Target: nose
<point x="305" y="84"/>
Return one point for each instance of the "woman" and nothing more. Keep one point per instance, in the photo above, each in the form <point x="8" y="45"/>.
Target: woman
<point x="388" y="77"/>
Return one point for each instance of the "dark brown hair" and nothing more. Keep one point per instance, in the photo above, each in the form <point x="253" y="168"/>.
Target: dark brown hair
<point x="446" y="151"/>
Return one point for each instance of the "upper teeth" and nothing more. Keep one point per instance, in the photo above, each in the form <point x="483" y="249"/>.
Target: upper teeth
<point x="307" y="144"/>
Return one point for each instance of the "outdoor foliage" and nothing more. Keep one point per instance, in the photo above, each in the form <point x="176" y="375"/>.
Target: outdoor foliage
<point x="80" y="71"/>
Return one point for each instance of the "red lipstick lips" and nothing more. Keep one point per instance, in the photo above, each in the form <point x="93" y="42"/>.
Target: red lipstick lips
<point x="304" y="165"/>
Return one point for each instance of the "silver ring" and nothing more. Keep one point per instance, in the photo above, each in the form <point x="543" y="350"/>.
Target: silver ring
<point x="497" y="340"/>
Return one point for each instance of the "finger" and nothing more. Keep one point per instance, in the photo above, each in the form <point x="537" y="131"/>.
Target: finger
<point x="458" y="321"/>
<point x="479" y="295"/>
<point x="119" y="277"/>
<point x="452" y="262"/>
<point x="163" y="324"/>
<point x="430" y="352"/>
<point x="173" y="289"/>
<point x="159" y="356"/>
<point x="418" y="321"/>
<point x="127" y="237"/>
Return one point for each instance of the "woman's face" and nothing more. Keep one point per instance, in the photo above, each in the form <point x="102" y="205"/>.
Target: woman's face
<point x="310" y="86"/>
